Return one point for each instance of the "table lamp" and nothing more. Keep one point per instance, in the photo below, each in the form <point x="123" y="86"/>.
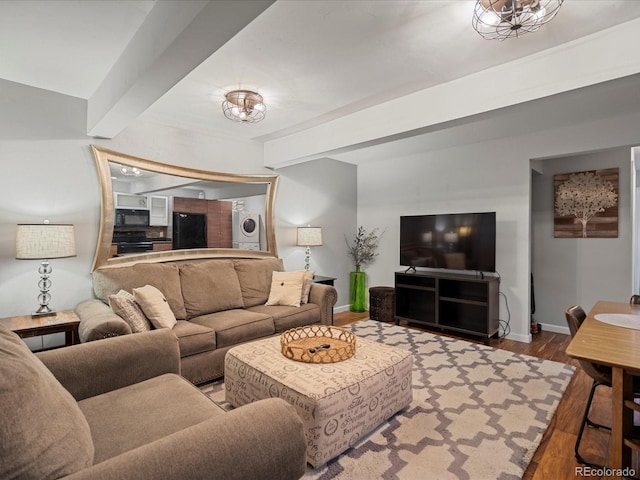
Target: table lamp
<point x="44" y="242"/>
<point x="308" y="237"/>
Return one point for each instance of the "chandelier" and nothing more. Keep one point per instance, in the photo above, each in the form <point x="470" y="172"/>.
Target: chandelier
<point x="501" y="19"/>
<point x="244" y="106"/>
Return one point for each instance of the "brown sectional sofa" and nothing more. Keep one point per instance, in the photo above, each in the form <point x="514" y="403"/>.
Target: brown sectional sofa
<point x="218" y="303"/>
<point x="118" y="409"/>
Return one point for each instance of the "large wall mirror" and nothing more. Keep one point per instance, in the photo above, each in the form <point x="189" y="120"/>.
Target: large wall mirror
<point x="154" y="212"/>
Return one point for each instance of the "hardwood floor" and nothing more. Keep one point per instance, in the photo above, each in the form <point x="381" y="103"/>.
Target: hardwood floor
<point x="555" y="457"/>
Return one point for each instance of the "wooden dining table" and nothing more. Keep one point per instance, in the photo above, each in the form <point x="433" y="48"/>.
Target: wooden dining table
<point x="619" y="348"/>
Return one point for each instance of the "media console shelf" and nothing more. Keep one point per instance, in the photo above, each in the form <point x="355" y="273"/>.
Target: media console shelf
<point x="454" y="302"/>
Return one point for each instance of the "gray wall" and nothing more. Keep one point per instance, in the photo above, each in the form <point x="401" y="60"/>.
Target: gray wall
<point x="478" y="178"/>
<point x="321" y="193"/>
<point x="580" y="271"/>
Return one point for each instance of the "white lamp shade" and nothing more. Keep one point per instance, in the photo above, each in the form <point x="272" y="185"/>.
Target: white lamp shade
<point x="309" y="236"/>
<point x="45" y="241"/>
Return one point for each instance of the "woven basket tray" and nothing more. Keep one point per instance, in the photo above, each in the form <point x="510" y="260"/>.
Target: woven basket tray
<point x="318" y="344"/>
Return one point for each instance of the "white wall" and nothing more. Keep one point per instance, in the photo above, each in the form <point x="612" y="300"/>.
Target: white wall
<point x="321" y="193"/>
<point x="55" y="180"/>
<point x="492" y="176"/>
<point x="570" y="271"/>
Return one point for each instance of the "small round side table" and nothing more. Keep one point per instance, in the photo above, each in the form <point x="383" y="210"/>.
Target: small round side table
<point x="382" y="304"/>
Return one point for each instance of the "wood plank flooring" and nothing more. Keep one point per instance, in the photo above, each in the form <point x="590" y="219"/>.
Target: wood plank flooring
<point x="554" y="459"/>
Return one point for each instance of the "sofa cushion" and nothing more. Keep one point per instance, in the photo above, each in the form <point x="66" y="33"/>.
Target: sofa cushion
<point x="147" y="411"/>
<point x="286" y="288"/>
<point x="43" y="433"/>
<point x="164" y="276"/>
<point x="125" y="306"/>
<point x="255" y="278"/>
<point x="285" y="318"/>
<point x="155" y="306"/>
<point x="209" y="287"/>
<point x="237" y="326"/>
<point x="194" y="338"/>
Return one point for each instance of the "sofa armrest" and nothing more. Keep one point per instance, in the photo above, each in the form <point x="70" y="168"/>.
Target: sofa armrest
<point x="325" y="296"/>
<point x="264" y="439"/>
<point x="89" y="369"/>
<point x="98" y="321"/>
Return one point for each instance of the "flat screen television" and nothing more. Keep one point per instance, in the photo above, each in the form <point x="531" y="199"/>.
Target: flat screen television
<point x="455" y="241"/>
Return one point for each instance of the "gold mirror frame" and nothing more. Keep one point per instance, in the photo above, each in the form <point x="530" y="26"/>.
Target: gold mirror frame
<point x="105" y="236"/>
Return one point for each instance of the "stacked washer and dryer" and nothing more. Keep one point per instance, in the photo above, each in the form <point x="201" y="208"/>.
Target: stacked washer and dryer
<point x="246" y="230"/>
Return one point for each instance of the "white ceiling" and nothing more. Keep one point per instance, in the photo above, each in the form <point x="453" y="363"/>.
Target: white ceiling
<point x="314" y="61"/>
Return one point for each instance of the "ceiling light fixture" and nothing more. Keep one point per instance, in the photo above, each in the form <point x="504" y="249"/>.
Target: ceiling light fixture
<point x="502" y="19"/>
<point x="131" y="171"/>
<point x="244" y="106"/>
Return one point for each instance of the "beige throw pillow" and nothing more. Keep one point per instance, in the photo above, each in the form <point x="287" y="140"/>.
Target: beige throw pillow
<point x="306" y="286"/>
<point x="155" y="306"/>
<point x="286" y="288"/>
<point x="124" y="305"/>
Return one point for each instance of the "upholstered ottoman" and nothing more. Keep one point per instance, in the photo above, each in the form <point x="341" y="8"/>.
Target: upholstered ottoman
<point x="339" y="402"/>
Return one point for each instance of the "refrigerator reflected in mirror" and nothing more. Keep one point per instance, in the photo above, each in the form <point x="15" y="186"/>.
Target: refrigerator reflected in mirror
<point x="189" y="230"/>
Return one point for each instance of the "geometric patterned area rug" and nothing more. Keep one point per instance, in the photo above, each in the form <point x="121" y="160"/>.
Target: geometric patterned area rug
<point x="477" y="412"/>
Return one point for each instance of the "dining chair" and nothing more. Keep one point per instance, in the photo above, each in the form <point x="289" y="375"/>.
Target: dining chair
<point x="635" y="300"/>
<point x="600" y="374"/>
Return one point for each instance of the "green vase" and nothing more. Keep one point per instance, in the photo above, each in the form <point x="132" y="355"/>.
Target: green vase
<point x="357" y="290"/>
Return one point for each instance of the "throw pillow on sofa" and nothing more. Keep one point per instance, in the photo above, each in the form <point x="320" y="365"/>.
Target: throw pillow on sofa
<point x="306" y="286"/>
<point x="286" y="288"/>
<point x="125" y="306"/>
<point x="164" y="276"/>
<point x="155" y="306"/>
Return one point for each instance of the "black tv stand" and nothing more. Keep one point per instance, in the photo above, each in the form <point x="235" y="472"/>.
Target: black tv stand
<point x="410" y="268"/>
<point x="448" y="301"/>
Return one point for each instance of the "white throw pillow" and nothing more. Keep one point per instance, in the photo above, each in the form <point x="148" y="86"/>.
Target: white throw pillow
<point x="155" y="306"/>
<point x="286" y="288"/>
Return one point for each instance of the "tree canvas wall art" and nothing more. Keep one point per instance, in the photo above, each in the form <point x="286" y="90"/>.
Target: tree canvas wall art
<point x="586" y="204"/>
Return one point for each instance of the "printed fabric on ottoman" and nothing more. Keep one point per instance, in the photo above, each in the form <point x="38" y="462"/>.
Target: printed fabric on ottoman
<point x="339" y="403"/>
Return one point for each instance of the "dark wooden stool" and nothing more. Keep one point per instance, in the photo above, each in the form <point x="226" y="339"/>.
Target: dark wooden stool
<point x="382" y="304"/>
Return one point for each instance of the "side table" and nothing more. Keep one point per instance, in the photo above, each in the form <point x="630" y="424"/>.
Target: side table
<point x="382" y="304"/>
<point x="324" y="280"/>
<point x="26" y="326"/>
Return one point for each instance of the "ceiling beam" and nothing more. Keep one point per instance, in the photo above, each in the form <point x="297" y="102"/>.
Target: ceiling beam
<point x="600" y="57"/>
<point x="175" y="38"/>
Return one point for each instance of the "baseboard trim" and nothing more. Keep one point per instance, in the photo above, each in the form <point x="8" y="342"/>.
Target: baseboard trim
<point x="519" y="338"/>
<point x="555" y="328"/>
<point x="342" y="308"/>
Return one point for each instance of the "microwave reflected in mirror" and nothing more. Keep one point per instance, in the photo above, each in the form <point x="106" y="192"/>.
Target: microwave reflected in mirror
<point x="126" y="217"/>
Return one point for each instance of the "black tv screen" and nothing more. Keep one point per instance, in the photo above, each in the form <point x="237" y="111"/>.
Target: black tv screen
<point x="456" y="241"/>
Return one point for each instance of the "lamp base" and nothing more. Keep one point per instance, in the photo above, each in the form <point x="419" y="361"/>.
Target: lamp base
<point x="307" y="259"/>
<point x="43" y="311"/>
<point x="44" y="284"/>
